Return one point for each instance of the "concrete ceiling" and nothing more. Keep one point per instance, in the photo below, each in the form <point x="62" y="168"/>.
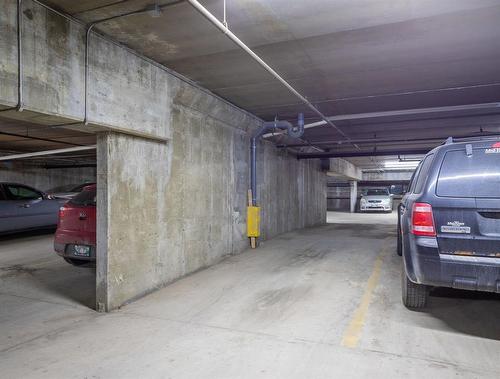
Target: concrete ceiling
<point x="346" y="56"/>
<point x="24" y="137"/>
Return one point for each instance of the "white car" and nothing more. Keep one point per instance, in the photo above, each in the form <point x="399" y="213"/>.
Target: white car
<point x="376" y="199"/>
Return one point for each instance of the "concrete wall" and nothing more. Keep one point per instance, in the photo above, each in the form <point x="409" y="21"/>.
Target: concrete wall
<point x="182" y="205"/>
<point x="44" y="179"/>
<point x="338" y="198"/>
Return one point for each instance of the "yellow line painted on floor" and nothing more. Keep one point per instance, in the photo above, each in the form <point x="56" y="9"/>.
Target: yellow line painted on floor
<point x="353" y="331"/>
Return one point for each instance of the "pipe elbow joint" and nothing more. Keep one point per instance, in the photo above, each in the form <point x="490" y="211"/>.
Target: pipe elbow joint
<point x="297" y="131"/>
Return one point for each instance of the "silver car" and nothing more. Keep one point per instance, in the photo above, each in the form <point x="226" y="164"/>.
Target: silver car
<point x="24" y="208"/>
<point x="376" y="199"/>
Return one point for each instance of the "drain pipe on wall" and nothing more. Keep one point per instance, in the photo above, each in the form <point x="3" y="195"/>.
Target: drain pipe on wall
<point x="293" y="131"/>
<point x="19" y="56"/>
<point x="253" y="210"/>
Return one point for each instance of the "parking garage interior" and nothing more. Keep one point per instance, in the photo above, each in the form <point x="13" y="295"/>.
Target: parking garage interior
<point x="232" y="144"/>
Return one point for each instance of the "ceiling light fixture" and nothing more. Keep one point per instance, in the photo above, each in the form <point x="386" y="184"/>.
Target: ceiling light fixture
<point x="401" y="164"/>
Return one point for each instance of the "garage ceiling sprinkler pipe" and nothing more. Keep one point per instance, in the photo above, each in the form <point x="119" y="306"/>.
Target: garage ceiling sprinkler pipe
<point x="224" y="29"/>
<point x="47" y="152"/>
<point x="293" y="131"/>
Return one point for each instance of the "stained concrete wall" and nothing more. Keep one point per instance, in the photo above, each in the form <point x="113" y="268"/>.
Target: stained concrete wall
<point x="338" y="197"/>
<point x="171" y="209"/>
<point x="44" y="179"/>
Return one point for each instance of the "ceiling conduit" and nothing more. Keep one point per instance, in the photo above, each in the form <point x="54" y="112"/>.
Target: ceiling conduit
<point x="19" y="106"/>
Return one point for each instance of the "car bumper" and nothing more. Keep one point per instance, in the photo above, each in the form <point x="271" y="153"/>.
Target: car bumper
<point x="68" y="251"/>
<point x="366" y="208"/>
<point x="64" y="243"/>
<point x="425" y="265"/>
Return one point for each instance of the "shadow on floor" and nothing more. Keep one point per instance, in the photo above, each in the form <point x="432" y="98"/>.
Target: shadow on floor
<point x="76" y="284"/>
<point x="36" y="271"/>
<point x="61" y="283"/>
<point x="12" y="237"/>
<point x="469" y="312"/>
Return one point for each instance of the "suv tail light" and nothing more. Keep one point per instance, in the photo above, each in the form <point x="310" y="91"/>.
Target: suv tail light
<point x="422" y="220"/>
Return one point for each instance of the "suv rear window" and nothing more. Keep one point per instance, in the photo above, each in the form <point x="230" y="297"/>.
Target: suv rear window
<point x="424" y="171"/>
<point x="84" y="198"/>
<point x="477" y="175"/>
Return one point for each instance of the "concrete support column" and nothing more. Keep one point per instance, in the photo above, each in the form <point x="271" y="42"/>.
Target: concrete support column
<point x="132" y="232"/>
<point x="102" y="223"/>
<point x="353" y="195"/>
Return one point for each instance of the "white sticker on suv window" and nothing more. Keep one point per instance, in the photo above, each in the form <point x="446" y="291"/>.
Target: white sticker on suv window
<point x="495" y="150"/>
<point x="455" y="227"/>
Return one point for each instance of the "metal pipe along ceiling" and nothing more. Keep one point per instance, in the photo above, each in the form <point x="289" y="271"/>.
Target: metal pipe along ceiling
<point x="224" y="29"/>
<point x="47" y="152"/>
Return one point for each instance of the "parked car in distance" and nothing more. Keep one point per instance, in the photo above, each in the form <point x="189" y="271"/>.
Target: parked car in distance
<point x="75" y="238"/>
<point x="449" y="221"/>
<point x="67" y="191"/>
<point x="376" y="199"/>
<point x="24" y="208"/>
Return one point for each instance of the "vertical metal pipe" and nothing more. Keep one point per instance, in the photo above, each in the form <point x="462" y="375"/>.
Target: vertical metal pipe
<point x="225" y="15"/>
<point x="86" y="79"/>
<point x="267" y="126"/>
<point x="19" y="56"/>
<point x="253" y="170"/>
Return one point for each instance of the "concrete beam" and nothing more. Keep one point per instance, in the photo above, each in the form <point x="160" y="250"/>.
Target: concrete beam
<point x="127" y="92"/>
<point x="343" y="169"/>
<point x="392" y="175"/>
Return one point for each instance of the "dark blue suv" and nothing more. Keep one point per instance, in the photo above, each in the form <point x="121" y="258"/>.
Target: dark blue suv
<point x="449" y="221"/>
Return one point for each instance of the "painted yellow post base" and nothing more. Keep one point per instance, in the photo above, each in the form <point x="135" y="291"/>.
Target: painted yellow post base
<point x="253" y="221"/>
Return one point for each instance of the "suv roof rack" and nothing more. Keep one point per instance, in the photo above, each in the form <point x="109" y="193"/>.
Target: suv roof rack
<point x="450" y="140"/>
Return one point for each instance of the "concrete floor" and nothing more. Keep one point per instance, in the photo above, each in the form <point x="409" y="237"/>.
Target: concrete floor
<point x="320" y="302"/>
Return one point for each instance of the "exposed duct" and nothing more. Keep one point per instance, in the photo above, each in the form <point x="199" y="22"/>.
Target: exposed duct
<point x="293" y="131"/>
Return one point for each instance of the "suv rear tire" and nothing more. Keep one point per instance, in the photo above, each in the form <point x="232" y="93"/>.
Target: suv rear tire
<point x="414" y="295"/>
<point x="399" y="239"/>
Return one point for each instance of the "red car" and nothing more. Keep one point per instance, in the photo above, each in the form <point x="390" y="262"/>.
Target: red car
<point x="75" y="238"/>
